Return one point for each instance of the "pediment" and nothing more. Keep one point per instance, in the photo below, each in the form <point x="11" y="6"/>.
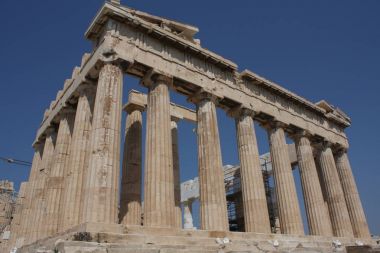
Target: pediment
<point x="183" y="30"/>
<point x="333" y="110"/>
<point x="324" y="105"/>
<point x="120" y="12"/>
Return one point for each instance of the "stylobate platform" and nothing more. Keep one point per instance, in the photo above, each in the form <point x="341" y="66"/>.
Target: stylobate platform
<point x="113" y="238"/>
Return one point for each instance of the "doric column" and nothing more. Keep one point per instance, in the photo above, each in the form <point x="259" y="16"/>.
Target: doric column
<point x="340" y="219"/>
<point x="213" y="204"/>
<point x="287" y="201"/>
<point x="78" y="159"/>
<point x="130" y="195"/>
<point x="317" y="214"/>
<point x="351" y="194"/>
<point x="256" y="217"/>
<point x="102" y="177"/>
<point x="55" y="181"/>
<point x="28" y="210"/>
<point x="176" y="173"/>
<point x="323" y="186"/>
<point x="159" y="182"/>
<point x="40" y="193"/>
<point x="188" y="215"/>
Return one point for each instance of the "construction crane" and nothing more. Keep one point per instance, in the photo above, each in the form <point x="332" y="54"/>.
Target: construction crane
<point x="15" y="161"/>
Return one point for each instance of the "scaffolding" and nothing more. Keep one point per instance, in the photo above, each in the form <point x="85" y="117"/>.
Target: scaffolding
<point x="234" y="198"/>
<point x="235" y="210"/>
<point x="232" y="181"/>
<point x="270" y="194"/>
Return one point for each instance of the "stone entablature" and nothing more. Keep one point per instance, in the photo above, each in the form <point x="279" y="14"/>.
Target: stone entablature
<point x="120" y="34"/>
<point x="139" y="99"/>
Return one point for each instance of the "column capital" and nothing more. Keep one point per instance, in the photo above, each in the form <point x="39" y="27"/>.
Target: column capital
<point x="173" y="122"/>
<point x="301" y="133"/>
<point x="131" y="107"/>
<point x="38" y="146"/>
<point x="321" y="146"/>
<point x="154" y="76"/>
<point x="203" y="95"/>
<point x="67" y="110"/>
<point x="109" y="55"/>
<point x="86" y="88"/>
<point x="274" y="124"/>
<point x="240" y="111"/>
<point x="50" y="131"/>
<point x="340" y="150"/>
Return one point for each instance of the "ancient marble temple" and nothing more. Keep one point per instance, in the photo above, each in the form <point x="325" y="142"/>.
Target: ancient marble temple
<point x="75" y="202"/>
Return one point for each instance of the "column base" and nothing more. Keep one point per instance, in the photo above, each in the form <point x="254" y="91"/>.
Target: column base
<point x="90" y="237"/>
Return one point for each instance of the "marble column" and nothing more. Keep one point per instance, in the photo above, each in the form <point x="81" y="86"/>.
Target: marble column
<point x="256" y="217"/>
<point x="78" y="160"/>
<point x="55" y="181"/>
<point x="340" y="220"/>
<point x="188" y="215"/>
<point x="159" y="182"/>
<point x="213" y="204"/>
<point x="323" y="187"/>
<point x="100" y="203"/>
<point x="176" y="173"/>
<point x="130" y="195"/>
<point x="317" y="214"/>
<point x="27" y="221"/>
<point x="38" y="220"/>
<point x="351" y="194"/>
<point x="287" y="201"/>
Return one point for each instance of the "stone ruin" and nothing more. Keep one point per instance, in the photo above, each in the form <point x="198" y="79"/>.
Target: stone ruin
<point x="71" y="201"/>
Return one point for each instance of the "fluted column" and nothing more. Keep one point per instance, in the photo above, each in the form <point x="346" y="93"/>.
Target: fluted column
<point x="159" y="182"/>
<point x="340" y="219"/>
<point x="176" y="173"/>
<point x="55" y="181"/>
<point x="351" y="194"/>
<point x="38" y="220"/>
<point x="188" y="215"/>
<point x="213" y="205"/>
<point x="102" y="177"/>
<point x="256" y="217"/>
<point x="78" y="160"/>
<point x="130" y="195"/>
<point x="323" y="186"/>
<point x="28" y="210"/>
<point x="287" y="201"/>
<point x="317" y="215"/>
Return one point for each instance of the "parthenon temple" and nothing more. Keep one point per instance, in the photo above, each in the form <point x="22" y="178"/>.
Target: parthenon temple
<point x="88" y="194"/>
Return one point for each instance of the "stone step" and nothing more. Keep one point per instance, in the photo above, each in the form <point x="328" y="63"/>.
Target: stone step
<point x="79" y="247"/>
<point x="199" y="243"/>
<point x="82" y="247"/>
<point x="118" y="239"/>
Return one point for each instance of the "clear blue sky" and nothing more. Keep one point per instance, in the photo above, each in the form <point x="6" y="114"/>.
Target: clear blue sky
<point x="318" y="49"/>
